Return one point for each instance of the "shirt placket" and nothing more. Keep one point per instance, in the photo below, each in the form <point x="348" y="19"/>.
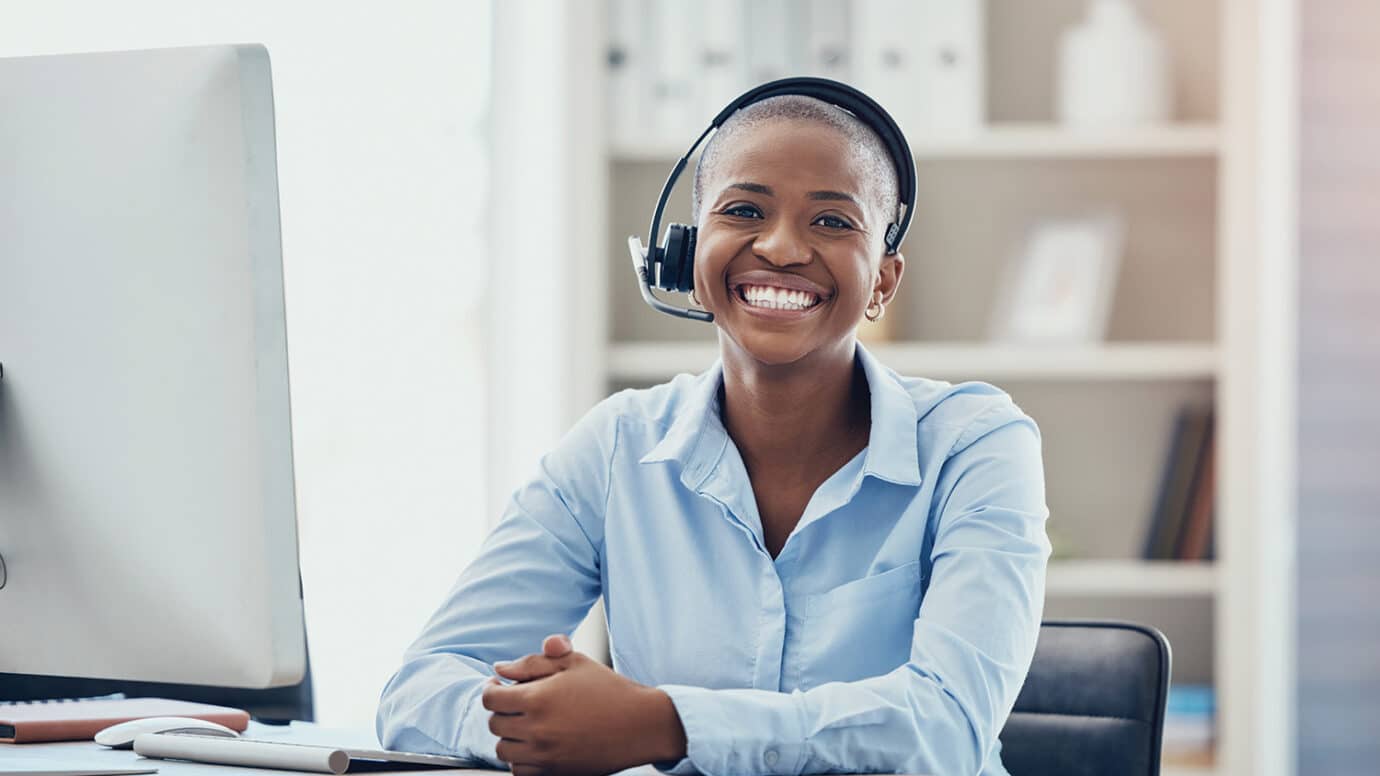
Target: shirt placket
<point x="727" y="484"/>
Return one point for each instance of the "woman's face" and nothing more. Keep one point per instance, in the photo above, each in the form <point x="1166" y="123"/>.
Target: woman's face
<point x="790" y="242"/>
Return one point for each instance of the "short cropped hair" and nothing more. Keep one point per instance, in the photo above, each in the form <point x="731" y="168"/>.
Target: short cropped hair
<point x="880" y="174"/>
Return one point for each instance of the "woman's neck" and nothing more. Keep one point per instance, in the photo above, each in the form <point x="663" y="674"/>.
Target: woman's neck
<point x="796" y="419"/>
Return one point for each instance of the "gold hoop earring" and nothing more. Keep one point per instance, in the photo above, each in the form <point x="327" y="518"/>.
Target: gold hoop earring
<point x="881" y="310"/>
<point x="693" y="300"/>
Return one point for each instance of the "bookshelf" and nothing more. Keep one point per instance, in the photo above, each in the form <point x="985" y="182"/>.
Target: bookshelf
<point x="1195" y="321"/>
<point x="1131" y="578"/>
<point x="1184" y="770"/>
<point x="656" y="362"/>
<point x="1012" y="140"/>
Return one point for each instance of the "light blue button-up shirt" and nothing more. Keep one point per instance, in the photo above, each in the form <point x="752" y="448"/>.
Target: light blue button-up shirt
<point x="892" y="632"/>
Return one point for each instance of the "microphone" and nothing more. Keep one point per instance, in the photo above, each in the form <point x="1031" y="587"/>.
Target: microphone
<point x="642" y="267"/>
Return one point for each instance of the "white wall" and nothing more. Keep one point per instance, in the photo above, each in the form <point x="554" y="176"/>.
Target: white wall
<point x="547" y="315"/>
<point x="382" y="166"/>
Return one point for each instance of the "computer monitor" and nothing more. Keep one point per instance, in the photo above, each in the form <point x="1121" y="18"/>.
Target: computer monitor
<point x="147" y="518"/>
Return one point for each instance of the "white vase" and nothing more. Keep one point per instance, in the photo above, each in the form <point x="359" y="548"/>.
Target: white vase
<point x="1113" y="70"/>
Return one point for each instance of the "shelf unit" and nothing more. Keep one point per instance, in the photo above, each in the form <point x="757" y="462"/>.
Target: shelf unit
<point x="1131" y="578"/>
<point x="1188" y="770"/>
<point x="1013" y="140"/>
<point x="656" y="362"/>
<point x="1184" y="770"/>
<point x="1191" y="323"/>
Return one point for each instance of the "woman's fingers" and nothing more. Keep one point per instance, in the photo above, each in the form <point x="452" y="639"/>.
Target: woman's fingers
<point x="556" y="651"/>
<point x="514" y="752"/>
<point x="525" y="669"/>
<point x="509" y="726"/>
<point x="504" y="699"/>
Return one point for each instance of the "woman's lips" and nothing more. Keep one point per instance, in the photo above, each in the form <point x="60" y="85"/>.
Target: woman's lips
<point x="777" y="279"/>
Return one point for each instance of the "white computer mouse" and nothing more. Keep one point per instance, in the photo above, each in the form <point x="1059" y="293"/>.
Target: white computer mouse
<point x="122" y="736"/>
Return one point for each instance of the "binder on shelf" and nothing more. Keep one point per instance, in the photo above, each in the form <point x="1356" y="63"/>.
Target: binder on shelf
<point x="828" y="43"/>
<point x="951" y="72"/>
<point x="1160" y="513"/>
<point x="675" y="93"/>
<point x="1193" y="542"/>
<point x="628" y="68"/>
<point x="769" y="49"/>
<point x="722" y="59"/>
<point x="1192" y="429"/>
<point x="887" y="56"/>
<point x="924" y="61"/>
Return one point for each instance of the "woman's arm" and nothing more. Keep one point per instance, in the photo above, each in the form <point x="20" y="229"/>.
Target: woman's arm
<point x="972" y="642"/>
<point x="537" y="573"/>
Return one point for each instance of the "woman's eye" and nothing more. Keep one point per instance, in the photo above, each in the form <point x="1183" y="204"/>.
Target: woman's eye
<point x="742" y="211"/>
<point x="833" y="222"/>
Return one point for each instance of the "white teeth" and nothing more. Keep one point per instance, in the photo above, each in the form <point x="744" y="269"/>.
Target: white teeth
<point x="774" y="298"/>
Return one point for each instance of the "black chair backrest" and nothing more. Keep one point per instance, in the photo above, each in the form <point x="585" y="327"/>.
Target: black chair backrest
<point x="1092" y="704"/>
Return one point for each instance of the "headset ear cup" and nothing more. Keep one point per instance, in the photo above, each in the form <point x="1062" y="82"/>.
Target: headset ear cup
<point x="687" y="266"/>
<point x="665" y="278"/>
<point x="679" y="238"/>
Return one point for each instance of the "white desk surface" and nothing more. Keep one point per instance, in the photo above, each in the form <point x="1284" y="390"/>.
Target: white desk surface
<point x="93" y="755"/>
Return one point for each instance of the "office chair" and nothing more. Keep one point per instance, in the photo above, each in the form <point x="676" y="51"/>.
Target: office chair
<point x="1092" y="704"/>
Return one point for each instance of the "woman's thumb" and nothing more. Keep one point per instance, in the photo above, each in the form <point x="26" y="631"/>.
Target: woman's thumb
<point x="556" y="645"/>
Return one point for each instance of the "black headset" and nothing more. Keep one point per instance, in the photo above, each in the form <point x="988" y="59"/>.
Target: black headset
<point x="671" y="266"/>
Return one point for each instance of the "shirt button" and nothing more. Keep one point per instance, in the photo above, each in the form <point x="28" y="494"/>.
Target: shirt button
<point x="771" y="757"/>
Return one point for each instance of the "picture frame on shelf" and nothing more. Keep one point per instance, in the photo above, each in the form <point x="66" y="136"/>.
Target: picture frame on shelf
<point x="1057" y="288"/>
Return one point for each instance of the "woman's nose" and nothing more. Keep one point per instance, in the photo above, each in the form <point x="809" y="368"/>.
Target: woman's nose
<point x="780" y="243"/>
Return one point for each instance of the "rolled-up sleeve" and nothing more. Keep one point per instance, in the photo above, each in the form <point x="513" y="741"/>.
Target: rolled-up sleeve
<point x="537" y="573"/>
<point x="972" y="641"/>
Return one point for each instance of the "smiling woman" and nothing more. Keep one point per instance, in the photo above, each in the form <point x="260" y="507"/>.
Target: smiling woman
<point x="809" y="563"/>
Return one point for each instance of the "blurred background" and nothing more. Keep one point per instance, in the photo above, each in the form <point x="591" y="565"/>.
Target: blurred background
<point x="1153" y="223"/>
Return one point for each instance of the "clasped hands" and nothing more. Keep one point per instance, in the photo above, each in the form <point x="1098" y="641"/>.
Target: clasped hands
<point x="569" y="715"/>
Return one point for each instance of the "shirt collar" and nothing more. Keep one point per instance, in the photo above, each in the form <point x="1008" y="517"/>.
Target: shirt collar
<point x="697" y="436"/>
<point x="893" y="451"/>
<point x="696" y="424"/>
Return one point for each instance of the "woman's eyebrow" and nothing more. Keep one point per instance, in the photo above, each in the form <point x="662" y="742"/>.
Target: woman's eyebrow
<point x="835" y="195"/>
<point x="755" y="188"/>
<point x="758" y="188"/>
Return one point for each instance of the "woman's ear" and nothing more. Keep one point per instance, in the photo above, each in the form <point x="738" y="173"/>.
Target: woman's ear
<point x="889" y="276"/>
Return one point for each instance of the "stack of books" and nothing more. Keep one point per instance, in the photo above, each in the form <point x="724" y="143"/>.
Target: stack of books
<point x="1188" y="726"/>
<point x="1181" y="527"/>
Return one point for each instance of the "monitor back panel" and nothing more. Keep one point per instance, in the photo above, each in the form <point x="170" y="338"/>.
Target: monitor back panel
<point x="147" y="519"/>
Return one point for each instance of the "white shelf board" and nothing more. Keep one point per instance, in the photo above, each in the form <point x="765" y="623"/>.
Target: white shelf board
<point x="1131" y="578"/>
<point x="1013" y="140"/>
<point x="958" y="361"/>
<point x="1187" y="770"/>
